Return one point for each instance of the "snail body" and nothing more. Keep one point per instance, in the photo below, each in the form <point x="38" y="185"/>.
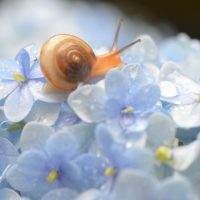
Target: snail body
<point x="67" y="60"/>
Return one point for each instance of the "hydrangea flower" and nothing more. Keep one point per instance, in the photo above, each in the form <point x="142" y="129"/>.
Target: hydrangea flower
<point x="119" y="156"/>
<point x="51" y="160"/>
<point x="15" y="79"/>
<point x="133" y="184"/>
<point x="129" y="102"/>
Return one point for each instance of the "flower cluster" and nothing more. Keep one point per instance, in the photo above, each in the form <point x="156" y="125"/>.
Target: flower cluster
<point x="132" y="134"/>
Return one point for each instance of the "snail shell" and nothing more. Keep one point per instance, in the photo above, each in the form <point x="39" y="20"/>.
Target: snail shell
<point x="66" y="60"/>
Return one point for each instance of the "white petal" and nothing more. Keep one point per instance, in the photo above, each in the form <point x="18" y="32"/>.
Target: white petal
<point x="184" y="157"/>
<point x="37" y="89"/>
<point x="186" y="116"/>
<point x="6" y="88"/>
<point x="18" y="104"/>
<point x="46" y="113"/>
<point x="87" y="102"/>
<point x="34" y="135"/>
<point x="168" y="89"/>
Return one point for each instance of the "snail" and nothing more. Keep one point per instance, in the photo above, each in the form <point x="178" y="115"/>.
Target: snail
<point x="66" y="61"/>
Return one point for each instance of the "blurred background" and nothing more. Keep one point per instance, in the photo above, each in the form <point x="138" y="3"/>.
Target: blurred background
<point x="33" y="21"/>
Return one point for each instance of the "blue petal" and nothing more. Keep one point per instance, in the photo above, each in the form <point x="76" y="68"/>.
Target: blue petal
<point x="70" y="174"/>
<point x="29" y="172"/>
<point x="92" y="169"/>
<point x="116" y="84"/>
<point x="18" y="104"/>
<point x="62" y="144"/>
<point x="35" y="72"/>
<point x="23" y="59"/>
<point x="60" y="194"/>
<point x="146" y="98"/>
<point x="8" y="68"/>
<point x="8" y="154"/>
<point x="112" y="108"/>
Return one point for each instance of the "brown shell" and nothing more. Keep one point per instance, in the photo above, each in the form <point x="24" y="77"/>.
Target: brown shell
<point x="66" y="61"/>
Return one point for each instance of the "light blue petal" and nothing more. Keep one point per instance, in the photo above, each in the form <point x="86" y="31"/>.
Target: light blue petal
<point x="8" y="154"/>
<point x="34" y="135"/>
<point x="23" y="60"/>
<point x="35" y="72"/>
<point x="83" y="133"/>
<point x="46" y="113"/>
<point x="161" y="130"/>
<point x="70" y="174"/>
<point x="62" y="144"/>
<point x="87" y="102"/>
<point x="177" y="187"/>
<point x="116" y="84"/>
<point x="112" y="108"/>
<point x="132" y="184"/>
<point x="29" y="172"/>
<point x="8" y="194"/>
<point x="8" y="68"/>
<point x="60" y="194"/>
<point x="6" y="88"/>
<point x="92" y="169"/>
<point x="104" y="140"/>
<point x="146" y="98"/>
<point x="18" y="104"/>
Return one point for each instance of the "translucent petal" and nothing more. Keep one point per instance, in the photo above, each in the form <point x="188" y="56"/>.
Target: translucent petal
<point x="161" y="130"/>
<point x="116" y="84"/>
<point x="87" y="102"/>
<point x="8" y="194"/>
<point x="132" y="184"/>
<point x="46" y="113"/>
<point x="37" y="89"/>
<point x="34" y="135"/>
<point x="29" y="172"/>
<point x="18" y="104"/>
<point x="6" y="88"/>
<point x="8" y="68"/>
<point x="35" y="72"/>
<point x="92" y="169"/>
<point x="146" y="98"/>
<point x="83" y="133"/>
<point x="60" y="194"/>
<point x="8" y="154"/>
<point x="177" y="187"/>
<point x="23" y="60"/>
<point x="186" y="116"/>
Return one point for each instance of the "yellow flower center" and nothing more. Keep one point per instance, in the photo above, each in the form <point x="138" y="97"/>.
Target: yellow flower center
<point x="110" y="171"/>
<point x="128" y="109"/>
<point x="52" y="176"/>
<point x="198" y="98"/>
<point x="164" y="154"/>
<point x="19" y="77"/>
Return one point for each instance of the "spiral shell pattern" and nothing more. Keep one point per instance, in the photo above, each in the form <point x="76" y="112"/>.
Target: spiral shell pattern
<point x="66" y="61"/>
